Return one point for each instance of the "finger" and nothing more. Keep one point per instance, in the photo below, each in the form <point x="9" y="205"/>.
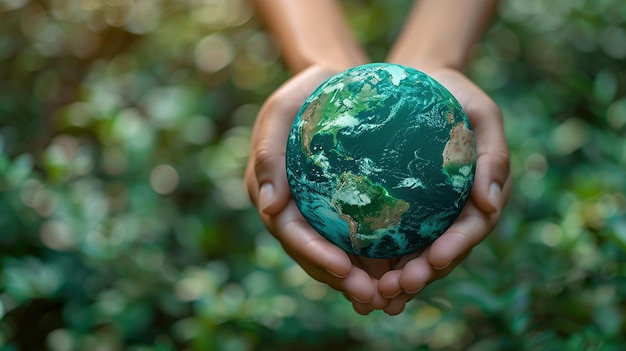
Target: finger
<point x="378" y="301"/>
<point x="375" y="268"/>
<point x="389" y="284"/>
<point x="361" y="308"/>
<point x="442" y="273"/>
<point x="304" y="244"/>
<point x="267" y="183"/>
<point x="492" y="169"/>
<point x="470" y="228"/>
<point x="357" y="286"/>
<point x="493" y="161"/>
<point x="269" y="141"/>
<point x="491" y="177"/>
<point x="398" y="304"/>
<point x="415" y="275"/>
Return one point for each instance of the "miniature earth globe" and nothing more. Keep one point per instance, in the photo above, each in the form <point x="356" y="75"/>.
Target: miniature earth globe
<point x="380" y="160"/>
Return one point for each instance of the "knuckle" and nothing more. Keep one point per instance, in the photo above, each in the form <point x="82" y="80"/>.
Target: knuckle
<point x="278" y="102"/>
<point x="266" y="156"/>
<point x="485" y="109"/>
<point x="273" y="102"/>
<point x="492" y="108"/>
<point x="504" y="157"/>
<point x="501" y="160"/>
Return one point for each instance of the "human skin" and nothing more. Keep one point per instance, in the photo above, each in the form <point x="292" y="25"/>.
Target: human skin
<point x="316" y="43"/>
<point x="311" y="32"/>
<point x="437" y="39"/>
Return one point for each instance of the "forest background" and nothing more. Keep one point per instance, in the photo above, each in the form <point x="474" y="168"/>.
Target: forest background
<point x="124" y="223"/>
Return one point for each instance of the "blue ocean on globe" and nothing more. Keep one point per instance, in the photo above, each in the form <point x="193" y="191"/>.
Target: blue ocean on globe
<point x="381" y="160"/>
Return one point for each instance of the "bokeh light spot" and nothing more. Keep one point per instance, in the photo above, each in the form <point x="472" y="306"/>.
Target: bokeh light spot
<point x="8" y="5"/>
<point x="262" y="50"/>
<point x="198" y="130"/>
<point x="213" y="53"/>
<point x="551" y="234"/>
<point x="532" y="187"/>
<point x="249" y="77"/>
<point x="605" y="85"/>
<point x="314" y="290"/>
<point x="114" y="161"/>
<point x="90" y="5"/>
<point x="28" y="191"/>
<point x="285" y="305"/>
<point x="616" y="114"/>
<point x="536" y="165"/>
<point x="150" y="258"/>
<point x="57" y="235"/>
<point x="147" y="16"/>
<point x="257" y="283"/>
<point x="166" y="106"/>
<point x="45" y="202"/>
<point x="613" y="42"/>
<point x="427" y="317"/>
<point x="60" y="340"/>
<point x="569" y="136"/>
<point x="447" y="334"/>
<point x="119" y="12"/>
<point x="85" y="43"/>
<point x="164" y="179"/>
<point x="222" y="13"/>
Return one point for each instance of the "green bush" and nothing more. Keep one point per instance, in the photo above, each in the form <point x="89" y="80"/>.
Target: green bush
<point x="124" y="225"/>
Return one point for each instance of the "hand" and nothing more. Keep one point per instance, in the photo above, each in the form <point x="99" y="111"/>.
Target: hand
<point x="267" y="186"/>
<point x="481" y="213"/>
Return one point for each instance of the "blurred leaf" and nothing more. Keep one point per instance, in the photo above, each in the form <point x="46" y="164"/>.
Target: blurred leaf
<point x="124" y="224"/>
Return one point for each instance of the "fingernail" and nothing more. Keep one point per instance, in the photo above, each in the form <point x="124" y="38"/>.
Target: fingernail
<point x="266" y="195"/>
<point x="442" y="267"/>
<point x="358" y="300"/>
<point x="495" y="193"/>
<point x="396" y="294"/>
<point x="416" y="291"/>
<point x="336" y="275"/>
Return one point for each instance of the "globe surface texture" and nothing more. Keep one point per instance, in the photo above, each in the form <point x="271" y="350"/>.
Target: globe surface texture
<point x="380" y="160"/>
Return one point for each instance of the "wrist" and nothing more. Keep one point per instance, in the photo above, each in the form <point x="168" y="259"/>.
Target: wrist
<point x="311" y="33"/>
<point x="425" y="64"/>
<point x="441" y="34"/>
<point x="337" y="61"/>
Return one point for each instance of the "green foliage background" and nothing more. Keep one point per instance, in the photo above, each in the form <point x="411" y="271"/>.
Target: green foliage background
<point x="124" y="225"/>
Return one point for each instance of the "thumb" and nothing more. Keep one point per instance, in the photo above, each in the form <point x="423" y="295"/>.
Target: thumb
<point x="491" y="181"/>
<point x="269" y="167"/>
<point x="493" y="162"/>
<point x="492" y="178"/>
<point x="270" y="190"/>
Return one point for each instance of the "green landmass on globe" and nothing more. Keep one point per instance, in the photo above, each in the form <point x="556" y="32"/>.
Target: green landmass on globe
<point x="381" y="160"/>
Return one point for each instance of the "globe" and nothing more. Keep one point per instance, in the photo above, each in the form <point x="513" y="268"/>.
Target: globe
<point x="380" y="160"/>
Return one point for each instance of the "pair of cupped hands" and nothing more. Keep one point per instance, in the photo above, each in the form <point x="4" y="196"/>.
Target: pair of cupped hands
<point x="375" y="284"/>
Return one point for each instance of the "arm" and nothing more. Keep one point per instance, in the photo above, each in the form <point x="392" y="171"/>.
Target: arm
<point x="316" y="44"/>
<point x="311" y="32"/>
<point x="441" y="33"/>
<point x="438" y="39"/>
